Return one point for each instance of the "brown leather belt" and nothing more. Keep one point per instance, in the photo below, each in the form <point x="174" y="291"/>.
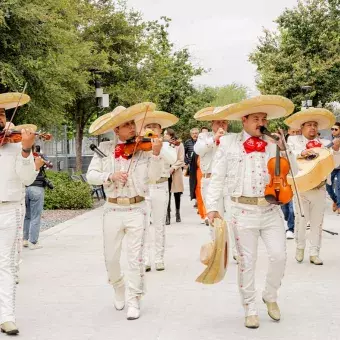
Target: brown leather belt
<point x="207" y="175"/>
<point x="162" y="180"/>
<point x="125" y="200"/>
<point x="260" y="201"/>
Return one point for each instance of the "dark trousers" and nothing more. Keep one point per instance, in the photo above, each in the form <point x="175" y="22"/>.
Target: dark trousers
<point x="177" y="196"/>
<point x="288" y="212"/>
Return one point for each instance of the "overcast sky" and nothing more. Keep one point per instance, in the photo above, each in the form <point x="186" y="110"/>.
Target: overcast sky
<point x="219" y="33"/>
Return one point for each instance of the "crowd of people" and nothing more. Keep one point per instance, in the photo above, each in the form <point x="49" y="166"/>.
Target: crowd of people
<point x="230" y="179"/>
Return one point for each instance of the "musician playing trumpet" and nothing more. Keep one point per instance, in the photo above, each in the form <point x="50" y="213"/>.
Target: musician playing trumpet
<point x="303" y="146"/>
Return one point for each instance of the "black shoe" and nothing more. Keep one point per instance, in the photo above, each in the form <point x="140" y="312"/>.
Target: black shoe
<point x="178" y="216"/>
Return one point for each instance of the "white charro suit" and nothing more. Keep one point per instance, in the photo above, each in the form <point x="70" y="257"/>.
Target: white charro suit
<point x="121" y="220"/>
<point x="158" y="203"/>
<point x="313" y="202"/>
<point x="206" y="148"/>
<point x="246" y="175"/>
<point x="16" y="172"/>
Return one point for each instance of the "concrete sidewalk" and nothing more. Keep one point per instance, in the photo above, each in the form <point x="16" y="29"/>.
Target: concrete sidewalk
<point x="63" y="293"/>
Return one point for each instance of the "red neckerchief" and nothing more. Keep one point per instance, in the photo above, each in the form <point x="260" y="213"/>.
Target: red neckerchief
<point x="254" y="144"/>
<point x="119" y="151"/>
<point x="313" y="144"/>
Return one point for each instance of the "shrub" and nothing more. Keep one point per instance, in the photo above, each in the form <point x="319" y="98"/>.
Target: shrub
<point x="67" y="194"/>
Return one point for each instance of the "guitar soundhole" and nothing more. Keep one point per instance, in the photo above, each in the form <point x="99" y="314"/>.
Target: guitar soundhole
<point x="311" y="157"/>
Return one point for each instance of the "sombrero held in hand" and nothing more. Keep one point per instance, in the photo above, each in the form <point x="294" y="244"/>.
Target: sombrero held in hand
<point x="215" y="254"/>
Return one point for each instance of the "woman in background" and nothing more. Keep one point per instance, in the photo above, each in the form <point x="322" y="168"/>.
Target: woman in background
<point x="175" y="180"/>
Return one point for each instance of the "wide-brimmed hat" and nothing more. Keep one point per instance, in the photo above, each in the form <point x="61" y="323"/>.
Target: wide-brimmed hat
<point x="10" y="100"/>
<point x="164" y="119"/>
<point x="323" y="117"/>
<point x="29" y="127"/>
<point x="210" y="113"/>
<point x="274" y="106"/>
<point x="215" y="254"/>
<point x="118" y="116"/>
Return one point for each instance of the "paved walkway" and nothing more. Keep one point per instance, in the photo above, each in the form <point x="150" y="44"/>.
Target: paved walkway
<point x="64" y="295"/>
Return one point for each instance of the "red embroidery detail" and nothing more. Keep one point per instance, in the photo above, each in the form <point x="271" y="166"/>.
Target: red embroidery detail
<point x="313" y="144"/>
<point x="218" y="142"/>
<point x="254" y="144"/>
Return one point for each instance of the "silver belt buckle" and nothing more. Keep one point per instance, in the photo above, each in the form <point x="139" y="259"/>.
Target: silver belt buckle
<point x="123" y="200"/>
<point x="261" y="202"/>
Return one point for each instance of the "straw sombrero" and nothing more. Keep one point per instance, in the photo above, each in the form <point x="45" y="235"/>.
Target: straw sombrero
<point x="209" y="113"/>
<point x="10" y="100"/>
<point x="29" y="127"/>
<point x="164" y="119"/>
<point x="273" y="106"/>
<point x="323" y="117"/>
<point x="118" y="116"/>
<point x="215" y="254"/>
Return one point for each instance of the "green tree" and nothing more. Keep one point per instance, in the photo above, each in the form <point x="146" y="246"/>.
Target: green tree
<point x="39" y="45"/>
<point x="303" y="51"/>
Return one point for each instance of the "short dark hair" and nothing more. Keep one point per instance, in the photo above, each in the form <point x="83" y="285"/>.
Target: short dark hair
<point x="337" y="124"/>
<point x="171" y="133"/>
<point x="204" y="128"/>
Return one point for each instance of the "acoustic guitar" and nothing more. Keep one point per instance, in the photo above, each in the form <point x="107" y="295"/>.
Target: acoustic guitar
<point x="313" y="171"/>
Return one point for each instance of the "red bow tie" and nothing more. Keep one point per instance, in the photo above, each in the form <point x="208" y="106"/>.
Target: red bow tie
<point x="119" y="151"/>
<point x="313" y="144"/>
<point x="254" y="144"/>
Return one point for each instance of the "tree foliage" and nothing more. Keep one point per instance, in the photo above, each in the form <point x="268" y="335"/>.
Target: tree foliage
<point x="304" y="50"/>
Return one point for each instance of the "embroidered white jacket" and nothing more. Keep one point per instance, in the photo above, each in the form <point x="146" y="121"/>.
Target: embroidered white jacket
<point x="205" y="147"/>
<point x="297" y="144"/>
<point x="145" y="167"/>
<point x="229" y="171"/>
<point x="16" y="172"/>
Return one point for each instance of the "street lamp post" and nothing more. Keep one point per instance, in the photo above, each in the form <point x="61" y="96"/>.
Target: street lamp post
<point x="305" y="104"/>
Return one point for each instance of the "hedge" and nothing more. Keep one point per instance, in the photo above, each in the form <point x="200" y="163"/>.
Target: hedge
<point x="67" y="194"/>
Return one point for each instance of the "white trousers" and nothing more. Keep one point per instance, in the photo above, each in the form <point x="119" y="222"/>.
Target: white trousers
<point x="249" y="222"/>
<point x="131" y="221"/>
<point x="10" y="220"/>
<point x="157" y="206"/>
<point x="313" y="202"/>
<point x="18" y="259"/>
<point x="223" y="210"/>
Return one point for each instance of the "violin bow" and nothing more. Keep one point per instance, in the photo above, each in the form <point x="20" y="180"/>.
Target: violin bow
<point x="15" y="111"/>
<point x="135" y="148"/>
<point x="292" y="174"/>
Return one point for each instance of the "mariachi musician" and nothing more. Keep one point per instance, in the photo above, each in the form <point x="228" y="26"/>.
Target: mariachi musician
<point x="125" y="171"/>
<point x="310" y="121"/>
<point x="158" y="198"/>
<point x="240" y="167"/>
<point x="17" y="170"/>
<point x="205" y="147"/>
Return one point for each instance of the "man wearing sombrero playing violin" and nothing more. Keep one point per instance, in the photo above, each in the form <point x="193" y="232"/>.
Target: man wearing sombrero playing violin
<point x="125" y="176"/>
<point x="158" y="190"/>
<point x="305" y="147"/>
<point x="240" y="169"/>
<point x="17" y="170"/>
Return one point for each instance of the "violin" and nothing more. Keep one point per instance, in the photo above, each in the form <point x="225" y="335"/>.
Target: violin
<point x="278" y="191"/>
<point x="139" y="143"/>
<point x="175" y="142"/>
<point x="13" y="136"/>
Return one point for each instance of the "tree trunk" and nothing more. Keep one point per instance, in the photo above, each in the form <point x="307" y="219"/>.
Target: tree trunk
<point x="79" y="144"/>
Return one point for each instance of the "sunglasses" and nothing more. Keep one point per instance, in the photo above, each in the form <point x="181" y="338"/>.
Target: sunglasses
<point x="334" y="129"/>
